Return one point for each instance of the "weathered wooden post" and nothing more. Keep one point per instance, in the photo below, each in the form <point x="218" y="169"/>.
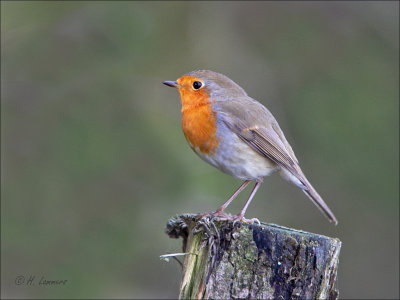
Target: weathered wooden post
<point x="229" y="261"/>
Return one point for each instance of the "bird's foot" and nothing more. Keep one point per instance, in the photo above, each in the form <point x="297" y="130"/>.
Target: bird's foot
<point x="239" y="218"/>
<point x="223" y="216"/>
<point x="216" y="216"/>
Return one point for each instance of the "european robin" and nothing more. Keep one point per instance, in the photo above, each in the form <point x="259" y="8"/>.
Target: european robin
<point x="237" y="135"/>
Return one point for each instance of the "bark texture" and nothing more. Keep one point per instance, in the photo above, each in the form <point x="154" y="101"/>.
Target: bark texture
<point x="267" y="261"/>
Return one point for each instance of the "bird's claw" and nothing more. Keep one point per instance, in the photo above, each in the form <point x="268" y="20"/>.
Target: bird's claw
<point x="222" y="216"/>
<point x="239" y="218"/>
<point x="215" y="216"/>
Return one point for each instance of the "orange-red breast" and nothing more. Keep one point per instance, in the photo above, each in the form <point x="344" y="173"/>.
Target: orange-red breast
<point x="237" y="135"/>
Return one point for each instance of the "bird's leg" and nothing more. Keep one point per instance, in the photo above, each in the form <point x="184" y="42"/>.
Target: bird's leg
<point x="221" y="210"/>
<point x="240" y="216"/>
<point x="219" y="213"/>
<point x="235" y="194"/>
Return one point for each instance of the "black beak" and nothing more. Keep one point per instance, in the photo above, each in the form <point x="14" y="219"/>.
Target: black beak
<point x="172" y="84"/>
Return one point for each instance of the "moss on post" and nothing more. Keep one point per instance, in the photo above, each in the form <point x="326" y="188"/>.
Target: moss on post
<point x="254" y="261"/>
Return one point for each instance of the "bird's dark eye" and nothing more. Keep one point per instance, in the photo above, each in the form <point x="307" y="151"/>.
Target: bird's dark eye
<point x="197" y="85"/>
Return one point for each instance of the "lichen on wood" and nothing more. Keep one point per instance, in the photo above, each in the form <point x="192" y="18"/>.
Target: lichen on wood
<point x="267" y="261"/>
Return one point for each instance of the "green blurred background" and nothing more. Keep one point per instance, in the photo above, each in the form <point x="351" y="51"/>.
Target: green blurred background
<point x="94" y="161"/>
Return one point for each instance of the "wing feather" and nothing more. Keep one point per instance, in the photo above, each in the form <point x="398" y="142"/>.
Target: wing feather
<point x="264" y="143"/>
<point x="259" y="129"/>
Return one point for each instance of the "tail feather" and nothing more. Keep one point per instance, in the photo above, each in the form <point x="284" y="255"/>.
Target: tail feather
<point x="317" y="200"/>
<point x="299" y="179"/>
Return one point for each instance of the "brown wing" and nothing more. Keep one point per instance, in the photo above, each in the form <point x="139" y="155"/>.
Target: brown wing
<point x="256" y="126"/>
<point x="264" y="143"/>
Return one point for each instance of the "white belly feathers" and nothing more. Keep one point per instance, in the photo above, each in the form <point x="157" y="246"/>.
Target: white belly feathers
<point x="236" y="158"/>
